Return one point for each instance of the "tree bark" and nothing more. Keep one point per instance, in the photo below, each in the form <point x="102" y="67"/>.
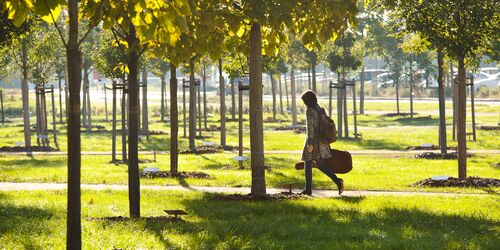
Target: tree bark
<point x="461" y="128"/>
<point x="174" y="121"/>
<point x="73" y="57"/>
<point x="205" y="96"/>
<point x="113" y="136"/>
<point x="124" y="118"/>
<point x="133" y="124"/>
<point x="192" y="106"/>
<point x="397" y="97"/>
<point x="294" y="95"/>
<point x="59" y="78"/>
<point x="442" y="113"/>
<point x="85" y="93"/>
<point x="25" y="97"/>
<point x="256" y="125"/>
<point x="222" y="90"/>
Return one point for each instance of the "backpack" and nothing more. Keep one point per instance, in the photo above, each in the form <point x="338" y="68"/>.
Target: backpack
<point x="327" y="130"/>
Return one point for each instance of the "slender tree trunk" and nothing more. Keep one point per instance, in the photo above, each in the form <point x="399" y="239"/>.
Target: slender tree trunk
<point x="286" y="93"/>
<point x="54" y="130"/>
<point x="133" y="125"/>
<point x="362" y="89"/>
<point x="73" y="217"/>
<point x="411" y="88"/>
<point x="113" y="137"/>
<point x="205" y="96"/>
<point x="145" y="120"/>
<point x="294" y="95"/>
<point x="442" y="113"/>
<point x="105" y="102"/>
<point x="89" y="109"/>
<point x="1" y="106"/>
<point x="454" y="102"/>
<point x="280" y="91"/>
<point x="59" y="78"/>
<point x="198" y="87"/>
<point x="256" y="125"/>
<point x="192" y="106"/>
<point x="162" y="104"/>
<point x="26" y="97"/>
<point x="233" y="99"/>
<point x="273" y="91"/>
<point x="85" y="86"/>
<point x="124" y="118"/>
<point x="309" y="79"/>
<point x="313" y="69"/>
<point x="222" y="90"/>
<point x="66" y="97"/>
<point x="462" y="143"/>
<point x="397" y="97"/>
<point x="339" y="109"/>
<point x="174" y="121"/>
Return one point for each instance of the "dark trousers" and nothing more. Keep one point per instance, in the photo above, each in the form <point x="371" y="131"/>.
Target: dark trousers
<point x="320" y="163"/>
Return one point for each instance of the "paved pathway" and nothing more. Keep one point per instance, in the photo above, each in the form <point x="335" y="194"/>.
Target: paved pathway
<point x="353" y="152"/>
<point x="10" y="186"/>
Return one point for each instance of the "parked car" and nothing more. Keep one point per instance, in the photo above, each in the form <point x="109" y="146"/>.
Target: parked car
<point x="491" y="82"/>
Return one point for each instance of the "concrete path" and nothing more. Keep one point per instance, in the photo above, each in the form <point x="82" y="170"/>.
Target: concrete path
<point x="381" y="152"/>
<point x="10" y="186"/>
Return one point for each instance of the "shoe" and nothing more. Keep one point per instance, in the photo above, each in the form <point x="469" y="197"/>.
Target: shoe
<point x="307" y="192"/>
<point x="340" y="185"/>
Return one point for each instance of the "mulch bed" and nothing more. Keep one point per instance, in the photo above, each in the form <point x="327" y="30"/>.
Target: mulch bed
<point x="212" y="129"/>
<point x="396" y="114"/>
<point x="488" y="127"/>
<point x="157" y="132"/>
<point x="250" y="197"/>
<point x="300" y="130"/>
<point x="24" y="149"/>
<point x="204" y="150"/>
<point x="270" y="119"/>
<point x="439" y="156"/>
<point x="420" y="118"/>
<point x="455" y="182"/>
<point x="126" y="162"/>
<point x="152" y="219"/>
<point x="288" y="128"/>
<point x="180" y="175"/>
<point x="433" y="147"/>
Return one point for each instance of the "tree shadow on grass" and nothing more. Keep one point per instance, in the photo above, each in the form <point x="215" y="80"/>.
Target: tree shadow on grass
<point x="21" y="223"/>
<point x="299" y="225"/>
<point x="18" y="163"/>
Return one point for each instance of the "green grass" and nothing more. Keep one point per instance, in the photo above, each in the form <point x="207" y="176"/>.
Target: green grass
<point x="369" y="172"/>
<point x="36" y="220"/>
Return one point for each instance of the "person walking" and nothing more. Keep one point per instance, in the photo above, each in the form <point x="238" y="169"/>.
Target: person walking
<point x="315" y="150"/>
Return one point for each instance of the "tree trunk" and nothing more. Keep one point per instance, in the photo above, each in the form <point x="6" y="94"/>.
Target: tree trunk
<point x="162" y="98"/>
<point x="59" y="78"/>
<point x="397" y="97"/>
<point x="233" y="99"/>
<point x="461" y="129"/>
<point x="286" y="93"/>
<point x="411" y="88"/>
<point x="339" y="109"/>
<point x="362" y="89"/>
<point x="313" y="69"/>
<point x="442" y="113"/>
<point x="192" y="106"/>
<point x="309" y="79"/>
<point x="174" y="121"/>
<point x="113" y="135"/>
<point x="105" y="103"/>
<point x="1" y="106"/>
<point x="198" y="87"/>
<point x="256" y="125"/>
<point x="26" y="97"/>
<point x="280" y="92"/>
<point x="54" y="131"/>
<point x="145" y="120"/>
<point x="222" y="90"/>
<point x="73" y="57"/>
<point x="294" y="94"/>
<point x="124" y="118"/>
<point x="273" y="91"/>
<point x="85" y="86"/>
<point x="205" y="96"/>
<point x="133" y="125"/>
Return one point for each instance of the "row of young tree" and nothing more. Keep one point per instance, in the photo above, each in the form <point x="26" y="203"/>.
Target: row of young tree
<point x="184" y="31"/>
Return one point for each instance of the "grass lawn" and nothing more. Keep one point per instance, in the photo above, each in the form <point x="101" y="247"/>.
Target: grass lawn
<point x="36" y="220"/>
<point x="369" y="172"/>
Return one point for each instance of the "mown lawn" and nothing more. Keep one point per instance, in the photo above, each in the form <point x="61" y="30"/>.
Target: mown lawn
<point x="369" y="172"/>
<point x="36" y="220"/>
